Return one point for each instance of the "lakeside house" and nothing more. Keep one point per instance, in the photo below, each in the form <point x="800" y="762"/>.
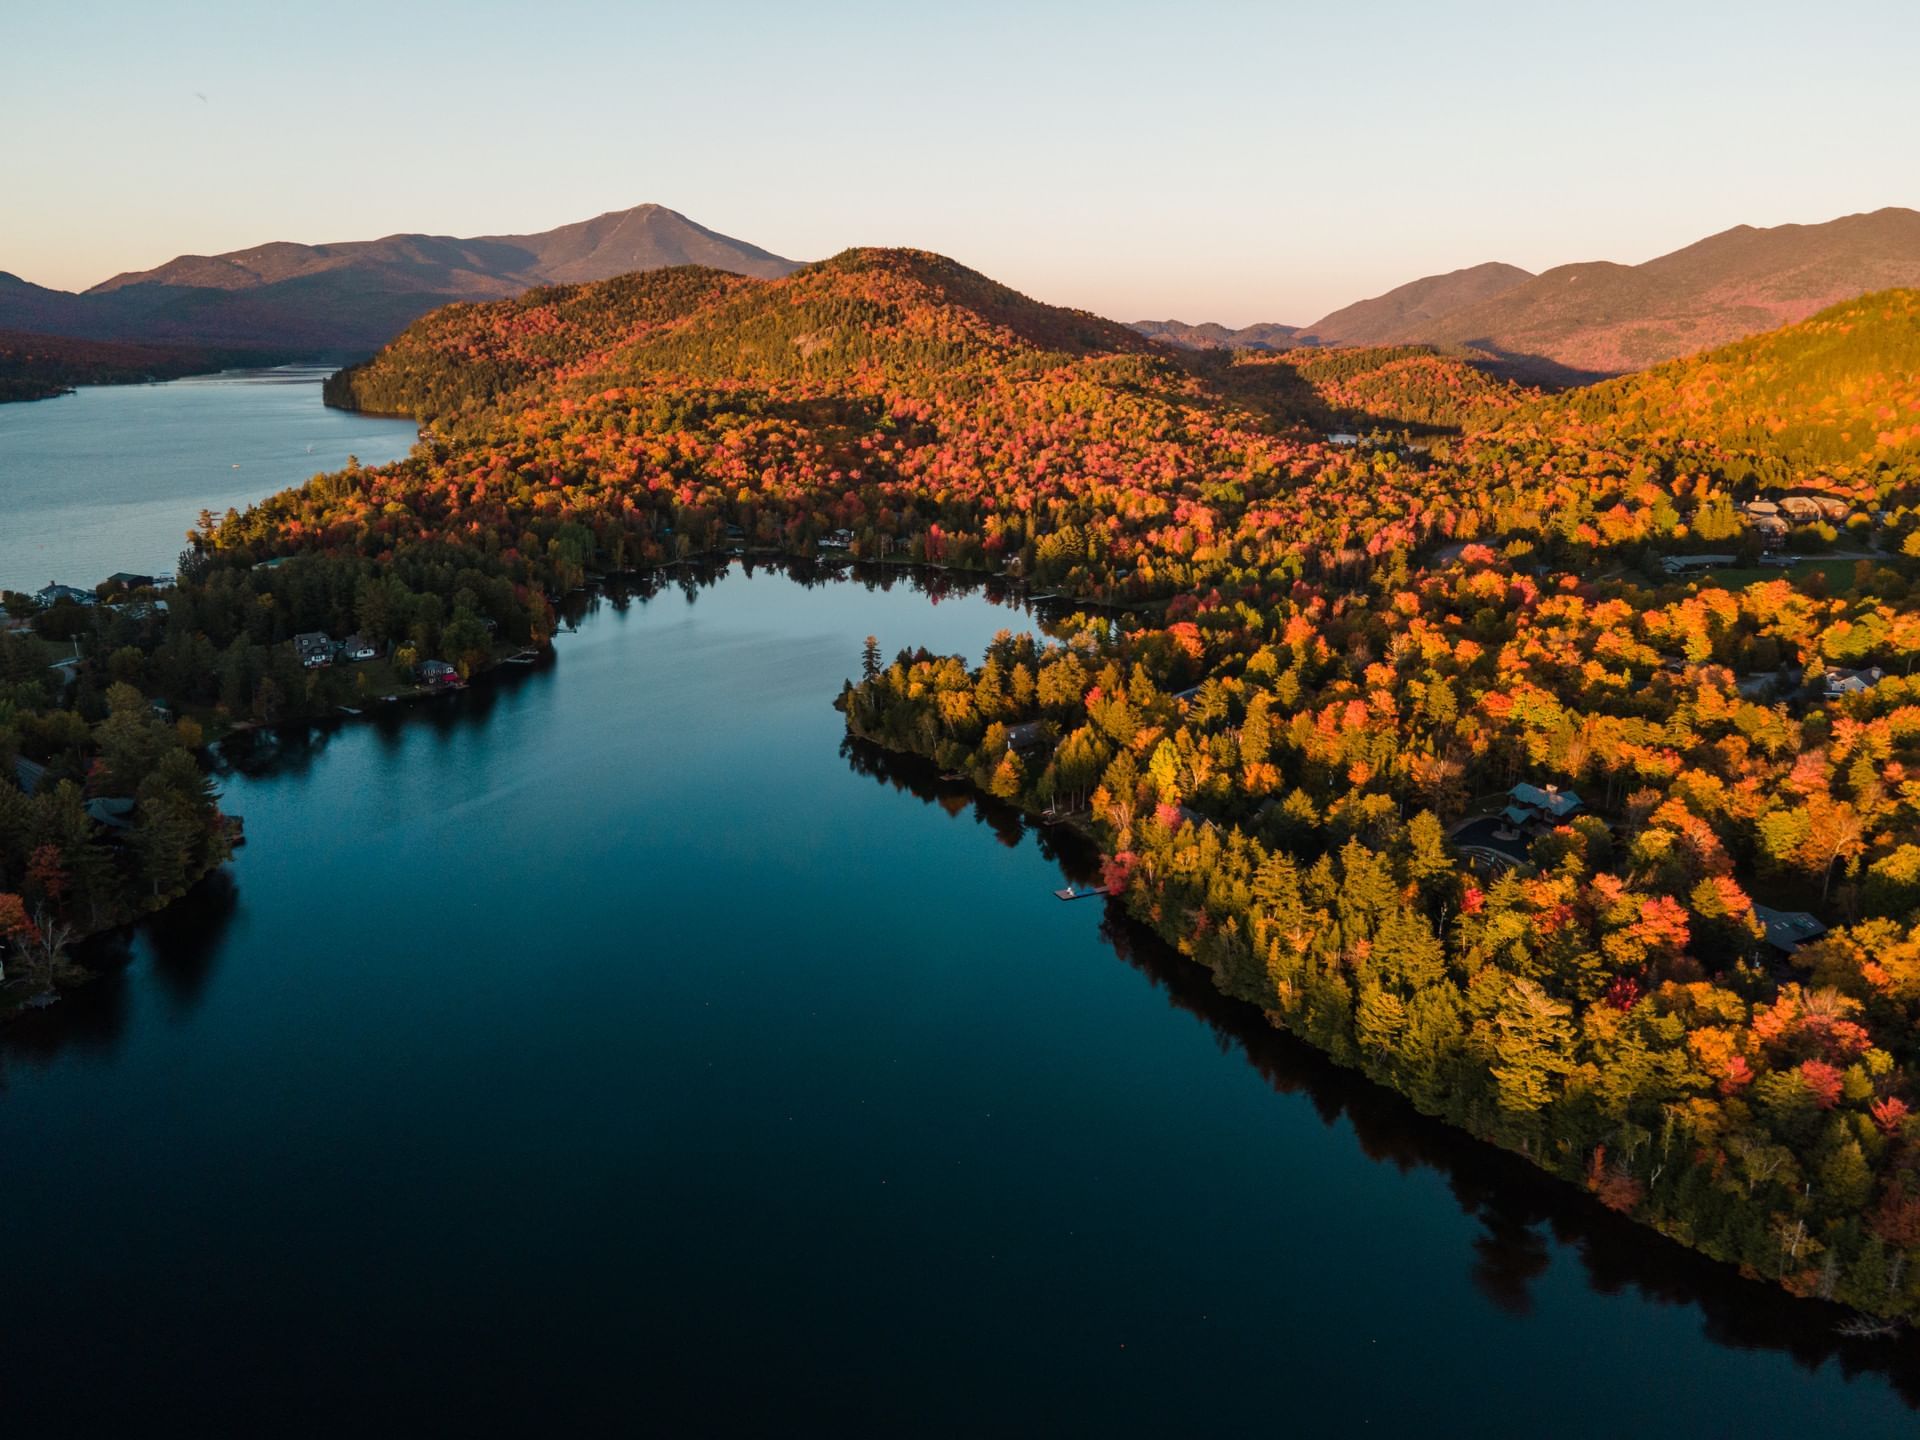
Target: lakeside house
<point x="1029" y="736"/>
<point x="125" y="580"/>
<point x="837" y="540"/>
<point x="55" y="593"/>
<point x="436" y="674"/>
<point x="314" y="648"/>
<point x="1788" y="930"/>
<point x="357" y="647"/>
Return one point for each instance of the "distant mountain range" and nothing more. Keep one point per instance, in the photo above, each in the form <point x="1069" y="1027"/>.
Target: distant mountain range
<point x="1579" y="322"/>
<point x="1574" y="323"/>
<point x="284" y="300"/>
<point x="1219" y="337"/>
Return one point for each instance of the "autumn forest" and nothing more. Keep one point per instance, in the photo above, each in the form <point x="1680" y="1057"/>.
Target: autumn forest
<point x="1553" y="759"/>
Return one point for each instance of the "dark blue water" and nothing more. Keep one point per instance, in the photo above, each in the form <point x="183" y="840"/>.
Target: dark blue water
<point x="612" y="1049"/>
<point x="111" y="477"/>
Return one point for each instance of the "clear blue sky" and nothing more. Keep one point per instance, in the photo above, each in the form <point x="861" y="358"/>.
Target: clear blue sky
<point x="1205" y="160"/>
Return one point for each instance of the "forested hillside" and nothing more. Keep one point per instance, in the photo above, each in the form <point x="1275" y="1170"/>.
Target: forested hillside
<point x="1300" y="747"/>
<point x="35" y="367"/>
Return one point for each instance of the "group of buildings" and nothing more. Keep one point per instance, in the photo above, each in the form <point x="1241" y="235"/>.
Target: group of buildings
<point x="317" y="649"/>
<point x="54" y="593"/>
<point x="1774" y="520"/>
<point x="1533" y="810"/>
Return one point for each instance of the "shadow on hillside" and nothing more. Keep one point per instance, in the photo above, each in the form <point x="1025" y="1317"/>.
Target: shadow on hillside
<point x="1525" y="369"/>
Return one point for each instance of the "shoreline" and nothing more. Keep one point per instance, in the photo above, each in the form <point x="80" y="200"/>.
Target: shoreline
<point x="1867" y="1324"/>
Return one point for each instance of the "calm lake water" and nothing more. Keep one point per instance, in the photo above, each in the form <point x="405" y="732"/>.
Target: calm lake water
<point x="110" y="477"/>
<point x="613" y="1048"/>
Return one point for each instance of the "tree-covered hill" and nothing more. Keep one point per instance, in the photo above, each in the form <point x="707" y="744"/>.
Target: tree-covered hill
<point x="1838" y="394"/>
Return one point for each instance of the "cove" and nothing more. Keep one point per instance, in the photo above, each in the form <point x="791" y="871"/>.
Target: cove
<point x="616" y="1045"/>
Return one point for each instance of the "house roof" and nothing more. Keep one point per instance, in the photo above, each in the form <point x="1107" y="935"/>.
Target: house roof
<point x="1788" y="929"/>
<point x="30" y="774"/>
<point x="1555" y="801"/>
<point x="112" y="811"/>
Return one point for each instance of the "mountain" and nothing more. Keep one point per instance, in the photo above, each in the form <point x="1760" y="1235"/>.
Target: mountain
<point x="1588" y="320"/>
<point x="1827" y="401"/>
<point x="283" y="299"/>
<point x="863" y="312"/>
<point x="902" y="322"/>
<point x="1578" y="323"/>
<point x="1266" y="336"/>
<point x="1408" y="309"/>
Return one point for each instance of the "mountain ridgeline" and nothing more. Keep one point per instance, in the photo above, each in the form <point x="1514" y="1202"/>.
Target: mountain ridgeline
<point x="1577" y="323"/>
<point x="907" y="316"/>
<point x="289" y="301"/>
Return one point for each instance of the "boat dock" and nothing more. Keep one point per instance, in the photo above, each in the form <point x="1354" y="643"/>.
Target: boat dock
<point x="1073" y="892"/>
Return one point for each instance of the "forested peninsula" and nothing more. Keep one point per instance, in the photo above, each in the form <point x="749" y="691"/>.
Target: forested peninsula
<point x="1456" y="726"/>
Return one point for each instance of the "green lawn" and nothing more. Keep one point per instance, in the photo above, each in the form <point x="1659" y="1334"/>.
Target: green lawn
<point x="1839" y="573"/>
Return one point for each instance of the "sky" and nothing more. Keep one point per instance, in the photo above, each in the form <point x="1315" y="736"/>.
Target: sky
<point x="1200" y="160"/>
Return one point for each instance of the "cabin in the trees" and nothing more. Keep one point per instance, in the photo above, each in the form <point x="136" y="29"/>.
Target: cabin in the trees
<point x="55" y="593"/>
<point x="314" y="649"/>
<point x="30" y="774"/>
<point x="111" y="812"/>
<point x="1788" y="930"/>
<point x="357" y="647"/>
<point x="1840" y="681"/>
<point x="1539" y="806"/>
<point x="1029" y="736"/>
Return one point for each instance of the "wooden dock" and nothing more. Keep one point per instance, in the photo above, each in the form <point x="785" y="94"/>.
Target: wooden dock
<point x="1074" y="893"/>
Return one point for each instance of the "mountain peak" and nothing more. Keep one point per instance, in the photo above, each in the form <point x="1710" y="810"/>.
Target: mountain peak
<point x="1598" y="317"/>
<point x="286" y="298"/>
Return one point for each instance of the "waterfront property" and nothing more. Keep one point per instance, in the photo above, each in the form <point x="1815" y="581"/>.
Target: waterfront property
<point x="314" y="649"/>
<point x="58" y="594"/>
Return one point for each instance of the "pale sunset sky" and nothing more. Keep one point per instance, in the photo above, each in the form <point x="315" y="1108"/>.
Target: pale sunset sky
<point x="1201" y="160"/>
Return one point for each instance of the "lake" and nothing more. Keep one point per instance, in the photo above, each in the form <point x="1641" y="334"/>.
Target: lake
<point x="110" y="477"/>
<point x="613" y="1046"/>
